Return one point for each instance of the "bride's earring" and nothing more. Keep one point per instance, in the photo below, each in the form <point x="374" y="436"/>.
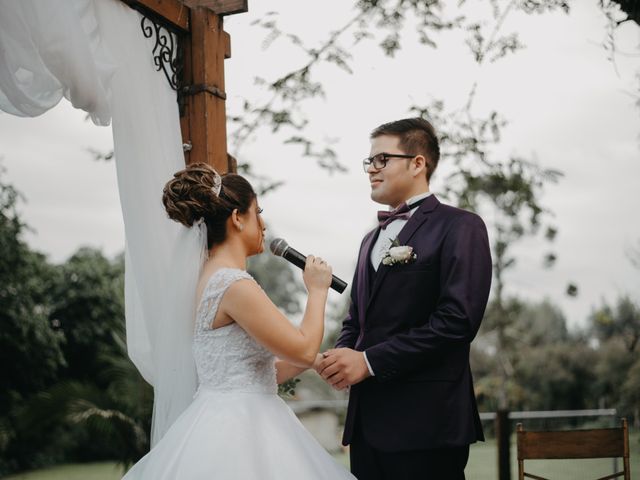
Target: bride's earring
<point x="240" y="227"/>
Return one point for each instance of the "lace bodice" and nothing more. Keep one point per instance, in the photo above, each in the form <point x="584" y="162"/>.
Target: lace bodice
<point x="228" y="358"/>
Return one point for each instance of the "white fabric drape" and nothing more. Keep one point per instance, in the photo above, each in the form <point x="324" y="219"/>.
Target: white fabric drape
<point x="93" y="52"/>
<point x="49" y="50"/>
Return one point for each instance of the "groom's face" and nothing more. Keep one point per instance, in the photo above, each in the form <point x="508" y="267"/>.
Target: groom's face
<point x="392" y="184"/>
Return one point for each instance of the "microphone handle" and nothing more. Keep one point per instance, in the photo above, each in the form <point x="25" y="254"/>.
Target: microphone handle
<point x="295" y="257"/>
<point x="338" y="284"/>
<point x="299" y="260"/>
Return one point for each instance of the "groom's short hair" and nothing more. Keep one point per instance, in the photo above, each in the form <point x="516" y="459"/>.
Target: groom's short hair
<point x="416" y="137"/>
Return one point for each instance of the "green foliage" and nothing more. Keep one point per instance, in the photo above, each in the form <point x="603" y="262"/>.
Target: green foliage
<point x="116" y="417"/>
<point x="621" y="321"/>
<point x="630" y="391"/>
<point x="287" y="389"/>
<point x="30" y="349"/>
<point x="526" y="324"/>
<point x="508" y="357"/>
<point x="611" y="369"/>
<point x="88" y="305"/>
<point x="69" y="392"/>
<point x="27" y="341"/>
<point x="616" y="328"/>
<point x="555" y="377"/>
<point x="544" y="366"/>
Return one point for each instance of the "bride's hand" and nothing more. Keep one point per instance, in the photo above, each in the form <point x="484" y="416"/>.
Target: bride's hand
<point x="317" y="364"/>
<point x="317" y="274"/>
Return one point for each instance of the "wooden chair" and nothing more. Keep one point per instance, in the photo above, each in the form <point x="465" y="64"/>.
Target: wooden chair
<point x="600" y="443"/>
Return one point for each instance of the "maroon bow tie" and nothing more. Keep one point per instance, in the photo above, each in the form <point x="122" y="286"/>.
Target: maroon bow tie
<point x="385" y="217"/>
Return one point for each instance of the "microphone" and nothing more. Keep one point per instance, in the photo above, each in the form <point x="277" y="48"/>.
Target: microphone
<point x="280" y="248"/>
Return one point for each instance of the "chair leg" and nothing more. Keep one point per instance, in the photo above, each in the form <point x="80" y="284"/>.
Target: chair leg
<point x="520" y="470"/>
<point x="627" y="469"/>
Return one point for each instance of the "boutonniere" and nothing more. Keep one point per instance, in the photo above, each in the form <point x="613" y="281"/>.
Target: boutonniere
<point x="398" y="254"/>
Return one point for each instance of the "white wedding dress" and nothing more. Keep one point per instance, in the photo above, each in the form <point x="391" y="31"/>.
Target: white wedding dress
<point x="237" y="427"/>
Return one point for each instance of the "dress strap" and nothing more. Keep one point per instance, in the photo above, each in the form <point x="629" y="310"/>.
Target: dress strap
<point x="216" y="286"/>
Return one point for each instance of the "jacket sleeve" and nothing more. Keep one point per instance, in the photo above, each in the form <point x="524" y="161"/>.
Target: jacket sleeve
<point x="465" y="280"/>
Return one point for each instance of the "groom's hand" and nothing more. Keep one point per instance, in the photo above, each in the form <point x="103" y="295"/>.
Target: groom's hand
<point x="343" y="367"/>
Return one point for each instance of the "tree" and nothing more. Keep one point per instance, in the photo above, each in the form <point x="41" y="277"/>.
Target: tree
<point x="630" y="393"/>
<point x="621" y="323"/>
<point x="88" y="305"/>
<point x="115" y="418"/>
<point x="510" y="353"/>
<point x="26" y="337"/>
<point x="616" y="330"/>
<point x="513" y="190"/>
<point x="60" y="324"/>
<point x="28" y="343"/>
<point x="555" y="376"/>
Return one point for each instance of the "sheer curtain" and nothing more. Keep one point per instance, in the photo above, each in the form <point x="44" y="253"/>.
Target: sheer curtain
<point x="93" y="53"/>
<point x="49" y="50"/>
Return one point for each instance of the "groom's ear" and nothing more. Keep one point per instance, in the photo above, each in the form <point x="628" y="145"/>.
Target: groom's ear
<point x="419" y="164"/>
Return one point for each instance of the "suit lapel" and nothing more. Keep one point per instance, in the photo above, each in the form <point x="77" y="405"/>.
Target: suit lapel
<point x="417" y="219"/>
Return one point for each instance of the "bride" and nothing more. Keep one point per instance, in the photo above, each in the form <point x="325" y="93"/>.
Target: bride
<point x="237" y="427"/>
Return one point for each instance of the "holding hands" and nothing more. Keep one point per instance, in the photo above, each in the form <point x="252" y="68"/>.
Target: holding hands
<point x="342" y="367"/>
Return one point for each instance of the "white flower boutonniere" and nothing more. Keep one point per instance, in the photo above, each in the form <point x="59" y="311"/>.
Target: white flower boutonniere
<point x="398" y="254"/>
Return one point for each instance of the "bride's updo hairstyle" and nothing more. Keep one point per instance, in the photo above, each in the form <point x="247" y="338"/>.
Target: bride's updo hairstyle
<point x="191" y="195"/>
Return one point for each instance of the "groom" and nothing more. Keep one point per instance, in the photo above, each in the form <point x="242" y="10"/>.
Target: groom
<point x="404" y="346"/>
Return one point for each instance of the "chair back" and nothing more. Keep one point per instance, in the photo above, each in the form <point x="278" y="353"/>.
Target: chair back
<point x="595" y="443"/>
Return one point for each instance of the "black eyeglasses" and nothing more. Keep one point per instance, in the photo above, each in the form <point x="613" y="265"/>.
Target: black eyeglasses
<point x="380" y="160"/>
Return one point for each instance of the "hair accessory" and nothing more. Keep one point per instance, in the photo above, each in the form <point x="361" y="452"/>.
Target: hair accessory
<point x="217" y="183"/>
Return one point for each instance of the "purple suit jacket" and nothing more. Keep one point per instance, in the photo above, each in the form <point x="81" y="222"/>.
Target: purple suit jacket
<point x="416" y="323"/>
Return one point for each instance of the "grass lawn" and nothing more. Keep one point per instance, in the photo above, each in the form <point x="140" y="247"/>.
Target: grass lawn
<point x="78" y="471"/>
<point x="482" y="466"/>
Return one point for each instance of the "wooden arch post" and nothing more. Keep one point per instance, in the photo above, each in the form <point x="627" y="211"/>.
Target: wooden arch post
<point x="200" y="86"/>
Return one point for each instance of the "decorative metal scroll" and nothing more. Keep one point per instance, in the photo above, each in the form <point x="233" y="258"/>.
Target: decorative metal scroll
<point x="166" y="54"/>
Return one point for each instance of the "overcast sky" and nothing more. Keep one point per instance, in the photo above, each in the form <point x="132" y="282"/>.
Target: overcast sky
<point x="568" y="107"/>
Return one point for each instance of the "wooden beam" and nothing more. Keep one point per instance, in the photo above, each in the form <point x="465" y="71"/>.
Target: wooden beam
<point x="205" y="45"/>
<point x="220" y="7"/>
<point x="172" y="12"/>
<point x="206" y="111"/>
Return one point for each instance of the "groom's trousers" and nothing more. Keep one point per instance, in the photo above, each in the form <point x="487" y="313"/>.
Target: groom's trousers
<point x="369" y="463"/>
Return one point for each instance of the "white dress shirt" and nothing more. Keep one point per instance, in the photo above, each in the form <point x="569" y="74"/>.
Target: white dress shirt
<point x="383" y="242"/>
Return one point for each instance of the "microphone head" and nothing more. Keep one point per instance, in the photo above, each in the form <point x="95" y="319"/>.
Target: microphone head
<point x="278" y="246"/>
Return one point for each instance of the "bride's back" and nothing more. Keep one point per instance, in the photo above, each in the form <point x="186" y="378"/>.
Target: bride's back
<point x="227" y="358"/>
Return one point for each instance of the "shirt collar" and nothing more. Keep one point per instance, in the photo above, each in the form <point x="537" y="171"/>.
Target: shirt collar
<point x="417" y="197"/>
